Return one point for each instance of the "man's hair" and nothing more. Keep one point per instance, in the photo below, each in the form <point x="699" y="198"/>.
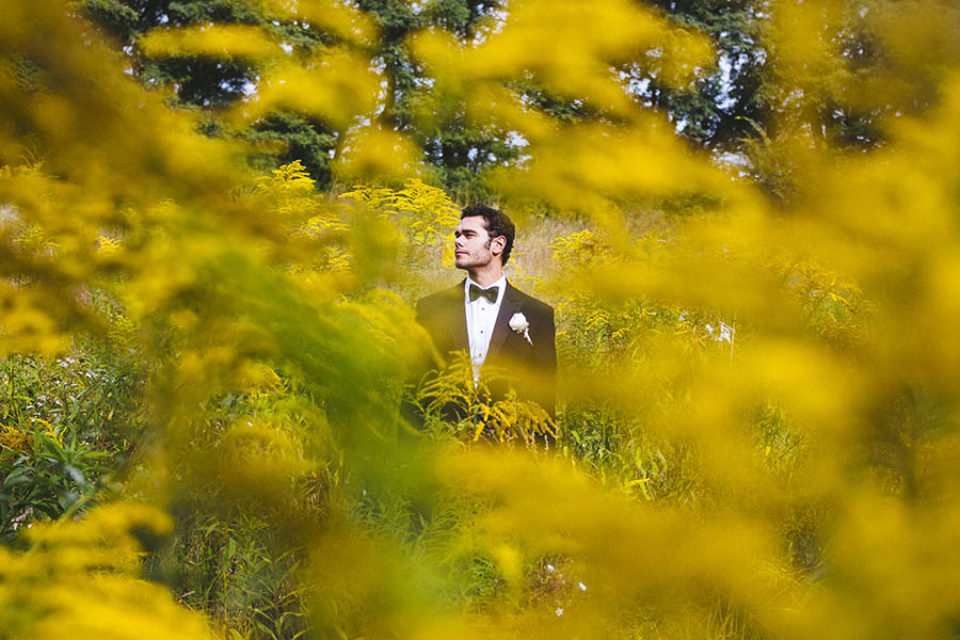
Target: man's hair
<point x="496" y="222"/>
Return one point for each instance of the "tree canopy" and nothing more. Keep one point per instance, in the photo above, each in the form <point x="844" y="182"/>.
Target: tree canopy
<point x="730" y="103"/>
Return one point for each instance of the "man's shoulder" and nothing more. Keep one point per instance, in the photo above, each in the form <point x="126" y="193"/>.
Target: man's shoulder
<point x="533" y="304"/>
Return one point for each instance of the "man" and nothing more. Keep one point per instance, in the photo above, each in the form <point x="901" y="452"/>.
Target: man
<point x="499" y="326"/>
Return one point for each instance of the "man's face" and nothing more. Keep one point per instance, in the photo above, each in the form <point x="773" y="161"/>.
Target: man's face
<point x="473" y="246"/>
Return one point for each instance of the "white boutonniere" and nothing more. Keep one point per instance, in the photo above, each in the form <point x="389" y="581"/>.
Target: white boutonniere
<point x="519" y="324"/>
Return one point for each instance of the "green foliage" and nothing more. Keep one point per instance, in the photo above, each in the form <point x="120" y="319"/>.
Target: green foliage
<point x="301" y="141"/>
<point x="50" y="479"/>
<point x="67" y="425"/>
<point x="729" y="94"/>
<point x="237" y="572"/>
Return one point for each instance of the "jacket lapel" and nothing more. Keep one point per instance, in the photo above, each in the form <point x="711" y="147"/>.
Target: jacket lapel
<point x="512" y="303"/>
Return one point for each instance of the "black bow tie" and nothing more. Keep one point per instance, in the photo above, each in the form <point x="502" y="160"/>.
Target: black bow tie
<point x="490" y="294"/>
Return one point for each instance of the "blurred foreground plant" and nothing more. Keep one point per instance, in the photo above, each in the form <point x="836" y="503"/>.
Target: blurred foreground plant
<point x="81" y="578"/>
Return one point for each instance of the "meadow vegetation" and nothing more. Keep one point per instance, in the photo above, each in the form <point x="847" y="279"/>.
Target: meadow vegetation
<point x="204" y="360"/>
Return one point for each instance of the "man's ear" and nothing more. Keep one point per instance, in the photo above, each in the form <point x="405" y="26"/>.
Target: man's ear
<point x="497" y="245"/>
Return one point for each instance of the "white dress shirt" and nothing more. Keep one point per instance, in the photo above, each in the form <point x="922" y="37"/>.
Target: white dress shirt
<point x="481" y="318"/>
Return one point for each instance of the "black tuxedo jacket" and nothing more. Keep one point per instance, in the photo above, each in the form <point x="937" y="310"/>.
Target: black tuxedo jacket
<point x="530" y="368"/>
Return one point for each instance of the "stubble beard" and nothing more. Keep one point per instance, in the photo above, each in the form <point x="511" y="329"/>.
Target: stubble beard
<point x="466" y="266"/>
